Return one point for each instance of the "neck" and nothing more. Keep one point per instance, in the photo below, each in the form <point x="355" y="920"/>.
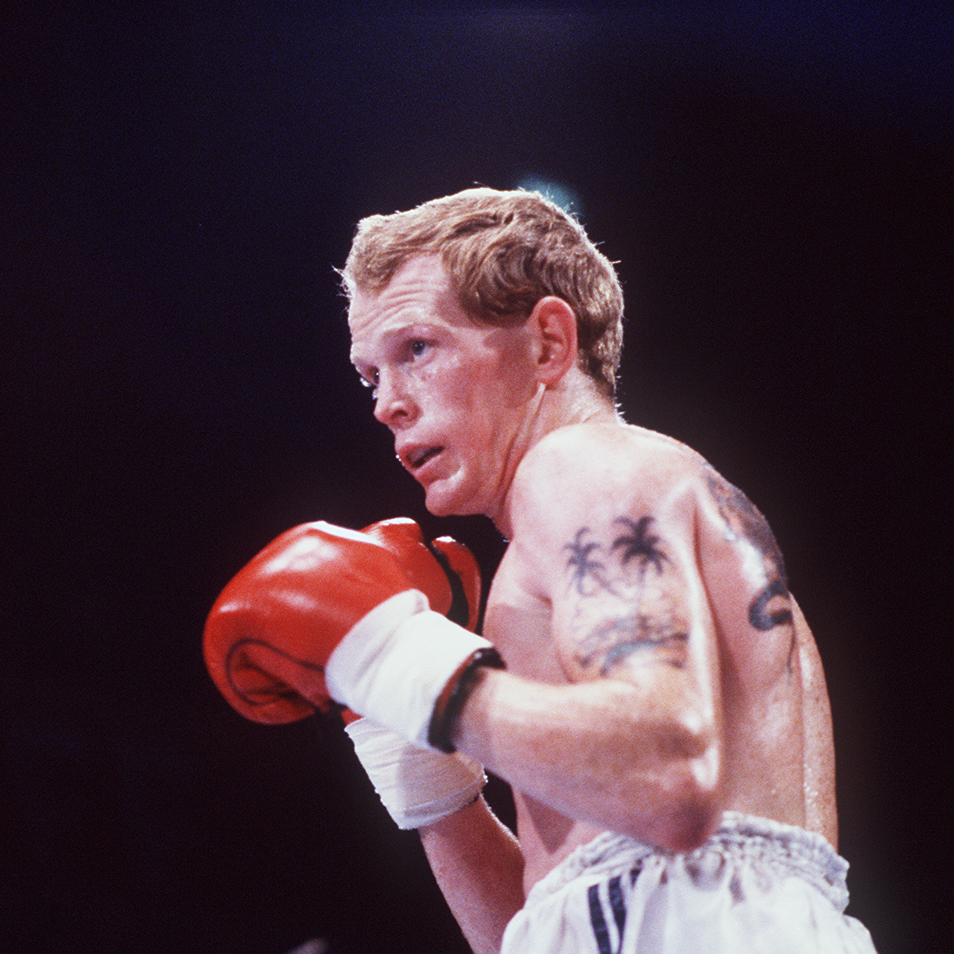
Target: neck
<point x="573" y="401"/>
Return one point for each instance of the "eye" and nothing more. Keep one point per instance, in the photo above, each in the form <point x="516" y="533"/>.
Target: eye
<point x="417" y="347"/>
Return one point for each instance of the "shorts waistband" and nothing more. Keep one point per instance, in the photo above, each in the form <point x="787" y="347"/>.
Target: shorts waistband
<point x="740" y="839"/>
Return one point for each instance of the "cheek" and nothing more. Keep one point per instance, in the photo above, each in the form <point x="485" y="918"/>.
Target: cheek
<point x="453" y="388"/>
<point x="515" y="380"/>
<point x="478" y="397"/>
<point x="449" y="394"/>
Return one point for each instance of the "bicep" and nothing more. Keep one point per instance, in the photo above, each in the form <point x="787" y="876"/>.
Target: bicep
<point x="629" y="604"/>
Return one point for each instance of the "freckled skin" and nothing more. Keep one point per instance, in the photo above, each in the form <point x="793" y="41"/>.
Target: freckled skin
<point x="669" y="587"/>
<point x="440" y="379"/>
<point x="658" y="670"/>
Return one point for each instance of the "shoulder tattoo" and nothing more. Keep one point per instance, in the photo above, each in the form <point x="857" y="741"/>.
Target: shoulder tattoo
<point x="743" y="523"/>
<point x="640" y="543"/>
<point x="625" y="607"/>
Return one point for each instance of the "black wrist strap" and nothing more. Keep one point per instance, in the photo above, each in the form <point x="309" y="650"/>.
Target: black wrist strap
<point x="459" y="611"/>
<point x="442" y="722"/>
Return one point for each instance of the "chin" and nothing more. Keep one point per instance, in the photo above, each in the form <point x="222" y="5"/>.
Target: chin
<point x="442" y="508"/>
<point x="448" y="505"/>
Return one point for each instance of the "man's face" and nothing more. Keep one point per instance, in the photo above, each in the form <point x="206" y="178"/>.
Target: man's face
<point x="459" y="397"/>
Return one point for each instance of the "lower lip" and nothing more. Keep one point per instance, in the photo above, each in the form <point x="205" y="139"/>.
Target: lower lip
<point x="423" y="469"/>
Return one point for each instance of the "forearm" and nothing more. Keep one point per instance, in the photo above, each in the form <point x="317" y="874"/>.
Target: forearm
<point x="479" y="868"/>
<point x="600" y="751"/>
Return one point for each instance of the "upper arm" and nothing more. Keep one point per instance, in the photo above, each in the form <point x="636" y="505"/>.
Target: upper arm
<point x="626" y="597"/>
<point x="618" y="566"/>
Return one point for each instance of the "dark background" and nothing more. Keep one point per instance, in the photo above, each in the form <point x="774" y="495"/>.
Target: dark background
<point x="181" y="179"/>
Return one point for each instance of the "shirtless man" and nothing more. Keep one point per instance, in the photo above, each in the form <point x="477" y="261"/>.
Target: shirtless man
<point x="658" y="705"/>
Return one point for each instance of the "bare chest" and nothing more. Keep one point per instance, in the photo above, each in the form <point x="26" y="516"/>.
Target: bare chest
<point x="518" y="621"/>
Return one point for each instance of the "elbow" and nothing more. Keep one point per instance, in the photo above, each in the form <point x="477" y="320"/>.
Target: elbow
<point x="692" y="801"/>
<point x="691" y="820"/>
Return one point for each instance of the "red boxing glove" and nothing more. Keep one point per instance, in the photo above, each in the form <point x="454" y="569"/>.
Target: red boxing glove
<point x="275" y="624"/>
<point x="444" y="570"/>
<point x="324" y="614"/>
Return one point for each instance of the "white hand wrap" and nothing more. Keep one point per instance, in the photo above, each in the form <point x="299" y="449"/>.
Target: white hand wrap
<point x="398" y="664"/>
<point x="417" y="786"/>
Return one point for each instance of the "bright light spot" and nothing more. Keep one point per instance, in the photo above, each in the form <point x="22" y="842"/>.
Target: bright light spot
<point x="558" y="193"/>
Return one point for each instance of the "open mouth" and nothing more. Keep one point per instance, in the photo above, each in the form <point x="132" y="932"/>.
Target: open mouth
<point x="420" y="457"/>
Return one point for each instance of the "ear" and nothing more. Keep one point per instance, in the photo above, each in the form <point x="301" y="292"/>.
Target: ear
<point x="553" y="325"/>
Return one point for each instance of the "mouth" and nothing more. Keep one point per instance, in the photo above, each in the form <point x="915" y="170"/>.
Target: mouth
<point x="419" y="456"/>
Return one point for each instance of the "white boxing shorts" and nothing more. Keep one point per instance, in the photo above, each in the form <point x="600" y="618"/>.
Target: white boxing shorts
<point x="755" y="887"/>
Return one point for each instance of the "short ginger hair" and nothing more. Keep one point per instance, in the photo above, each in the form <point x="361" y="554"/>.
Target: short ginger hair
<point x="503" y="251"/>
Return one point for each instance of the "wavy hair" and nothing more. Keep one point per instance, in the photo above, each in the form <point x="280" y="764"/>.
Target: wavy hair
<point x="504" y="251"/>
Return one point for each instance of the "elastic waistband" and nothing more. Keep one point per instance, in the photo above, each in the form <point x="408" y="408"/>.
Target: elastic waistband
<point x="740" y="839"/>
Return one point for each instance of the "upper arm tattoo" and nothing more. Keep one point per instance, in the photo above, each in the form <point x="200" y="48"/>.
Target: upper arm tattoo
<point x="583" y="567"/>
<point x="625" y="607"/>
<point x="640" y="544"/>
<point x="744" y="524"/>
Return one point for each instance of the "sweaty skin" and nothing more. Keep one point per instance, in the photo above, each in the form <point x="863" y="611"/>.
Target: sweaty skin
<point x="650" y="578"/>
<point x="658" y="671"/>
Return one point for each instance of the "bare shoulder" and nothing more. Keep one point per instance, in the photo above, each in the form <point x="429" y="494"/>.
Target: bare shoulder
<point x="589" y="471"/>
<point x="604" y="525"/>
<point x="587" y="483"/>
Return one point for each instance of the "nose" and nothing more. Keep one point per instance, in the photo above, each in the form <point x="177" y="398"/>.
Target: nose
<point x="392" y="404"/>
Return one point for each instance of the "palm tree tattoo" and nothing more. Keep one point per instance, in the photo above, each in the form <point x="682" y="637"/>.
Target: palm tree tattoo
<point x="582" y="566"/>
<point x="639" y="544"/>
<point x="641" y="621"/>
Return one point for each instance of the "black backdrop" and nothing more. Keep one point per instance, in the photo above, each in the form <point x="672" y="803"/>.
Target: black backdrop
<point x="180" y="181"/>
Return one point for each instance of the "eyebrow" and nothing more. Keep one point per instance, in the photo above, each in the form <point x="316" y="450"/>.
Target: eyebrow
<point x="364" y="369"/>
<point x="388" y="336"/>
